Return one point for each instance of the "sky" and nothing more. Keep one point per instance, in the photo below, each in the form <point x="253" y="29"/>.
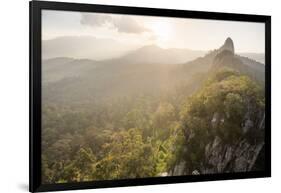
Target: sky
<point x="130" y="32"/>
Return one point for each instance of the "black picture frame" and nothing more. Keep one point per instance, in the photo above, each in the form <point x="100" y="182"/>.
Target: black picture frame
<point x="35" y="184"/>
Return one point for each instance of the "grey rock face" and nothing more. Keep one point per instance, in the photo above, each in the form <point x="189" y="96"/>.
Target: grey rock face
<point x="223" y="158"/>
<point x="247" y="126"/>
<point x="228" y="45"/>
<point x="179" y="169"/>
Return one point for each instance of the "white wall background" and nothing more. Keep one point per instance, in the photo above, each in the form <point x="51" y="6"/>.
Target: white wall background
<point x="14" y="96"/>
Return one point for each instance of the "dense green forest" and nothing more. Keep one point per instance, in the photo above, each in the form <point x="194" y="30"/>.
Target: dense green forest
<point x="113" y="141"/>
<point x="144" y="136"/>
<point x="118" y="119"/>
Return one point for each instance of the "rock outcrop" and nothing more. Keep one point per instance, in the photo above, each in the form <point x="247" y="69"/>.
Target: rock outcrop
<point x="245" y="150"/>
<point x="228" y="45"/>
<point x="223" y="158"/>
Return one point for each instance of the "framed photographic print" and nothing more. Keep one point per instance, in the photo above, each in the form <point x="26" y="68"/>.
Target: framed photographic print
<point x="126" y="96"/>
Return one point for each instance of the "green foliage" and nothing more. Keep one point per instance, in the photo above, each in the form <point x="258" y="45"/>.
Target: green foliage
<point x="219" y="109"/>
<point x="144" y="136"/>
<point x="126" y="150"/>
<point x="162" y="119"/>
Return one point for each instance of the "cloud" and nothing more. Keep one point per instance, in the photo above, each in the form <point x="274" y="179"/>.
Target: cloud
<point x="123" y="24"/>
<point x="128" y="25"/>
<point x="95" y="19"/>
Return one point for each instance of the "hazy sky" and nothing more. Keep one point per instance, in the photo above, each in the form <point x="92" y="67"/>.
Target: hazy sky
<point x="137" y="31"/>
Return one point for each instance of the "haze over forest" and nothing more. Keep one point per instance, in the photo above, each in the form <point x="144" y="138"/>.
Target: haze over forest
<point x="137" y="96"/>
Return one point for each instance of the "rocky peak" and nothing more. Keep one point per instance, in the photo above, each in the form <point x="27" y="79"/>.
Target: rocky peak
<point x="228" y="45"/>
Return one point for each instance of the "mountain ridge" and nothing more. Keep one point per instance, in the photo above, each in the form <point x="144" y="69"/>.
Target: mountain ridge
<point x="135" y="74"/>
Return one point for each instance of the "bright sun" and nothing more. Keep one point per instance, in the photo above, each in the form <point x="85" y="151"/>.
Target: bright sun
<point x="162" y="30"/>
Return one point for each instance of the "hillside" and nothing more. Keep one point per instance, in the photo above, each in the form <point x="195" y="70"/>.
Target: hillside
<point x="123" y="118"/>
<point x="155" y="55"/>
<point x="226" y="133"/>
<point x="84" y="79"/>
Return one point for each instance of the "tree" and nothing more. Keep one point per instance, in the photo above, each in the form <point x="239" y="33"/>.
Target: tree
<point x="218" y="109"/>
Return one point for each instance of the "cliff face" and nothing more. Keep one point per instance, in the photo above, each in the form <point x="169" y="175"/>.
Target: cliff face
<point x="224" y="121"/>
<point x="222" y="157"/>
<point x="242" y="155"/>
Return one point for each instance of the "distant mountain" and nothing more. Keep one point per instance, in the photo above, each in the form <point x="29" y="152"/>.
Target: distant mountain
<point x="94" y="48"/>
<point x="56" y="69"/>
<point x="157" y="55"/>
<point x="258" y="57"/>
<point x="148" y="70"/>
<point x="82" y="47"/>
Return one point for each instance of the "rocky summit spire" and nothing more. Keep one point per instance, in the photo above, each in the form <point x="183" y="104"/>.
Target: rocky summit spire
<point x="228" y="45"/>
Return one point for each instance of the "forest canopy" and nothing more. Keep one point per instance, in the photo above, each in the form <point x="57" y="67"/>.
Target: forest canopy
<point x="148" y="136"/>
